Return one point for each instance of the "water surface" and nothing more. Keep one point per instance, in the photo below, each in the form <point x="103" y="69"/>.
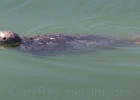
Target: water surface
<point x="103" y="75"/>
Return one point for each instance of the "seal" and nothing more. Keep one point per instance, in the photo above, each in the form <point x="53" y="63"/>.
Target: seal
<point x="50" y="44"/>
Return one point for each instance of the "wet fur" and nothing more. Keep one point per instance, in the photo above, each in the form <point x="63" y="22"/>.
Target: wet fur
<point x="59" y="43"/>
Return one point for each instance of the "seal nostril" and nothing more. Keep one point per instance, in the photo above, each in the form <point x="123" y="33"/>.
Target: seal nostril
<point x="4" y="38"/>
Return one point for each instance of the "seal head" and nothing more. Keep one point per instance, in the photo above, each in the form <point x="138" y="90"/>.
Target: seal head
<point x="9" y="38"/>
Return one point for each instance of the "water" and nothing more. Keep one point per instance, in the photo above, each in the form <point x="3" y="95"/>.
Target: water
<point x="104" y="75"/>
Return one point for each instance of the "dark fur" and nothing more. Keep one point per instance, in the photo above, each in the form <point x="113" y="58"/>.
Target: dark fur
<point x="60" y="43"/>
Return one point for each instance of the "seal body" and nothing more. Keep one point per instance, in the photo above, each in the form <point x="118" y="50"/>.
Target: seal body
<point x="60" y="43"/>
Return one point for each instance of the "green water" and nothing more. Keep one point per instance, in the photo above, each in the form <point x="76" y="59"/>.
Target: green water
<point x="104" y="75"/>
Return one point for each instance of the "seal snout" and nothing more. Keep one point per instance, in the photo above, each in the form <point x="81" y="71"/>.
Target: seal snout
<point x="9" y="38"/>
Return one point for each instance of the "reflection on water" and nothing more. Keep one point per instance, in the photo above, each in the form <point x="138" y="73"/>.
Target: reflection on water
<point x="108" y="74"/>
